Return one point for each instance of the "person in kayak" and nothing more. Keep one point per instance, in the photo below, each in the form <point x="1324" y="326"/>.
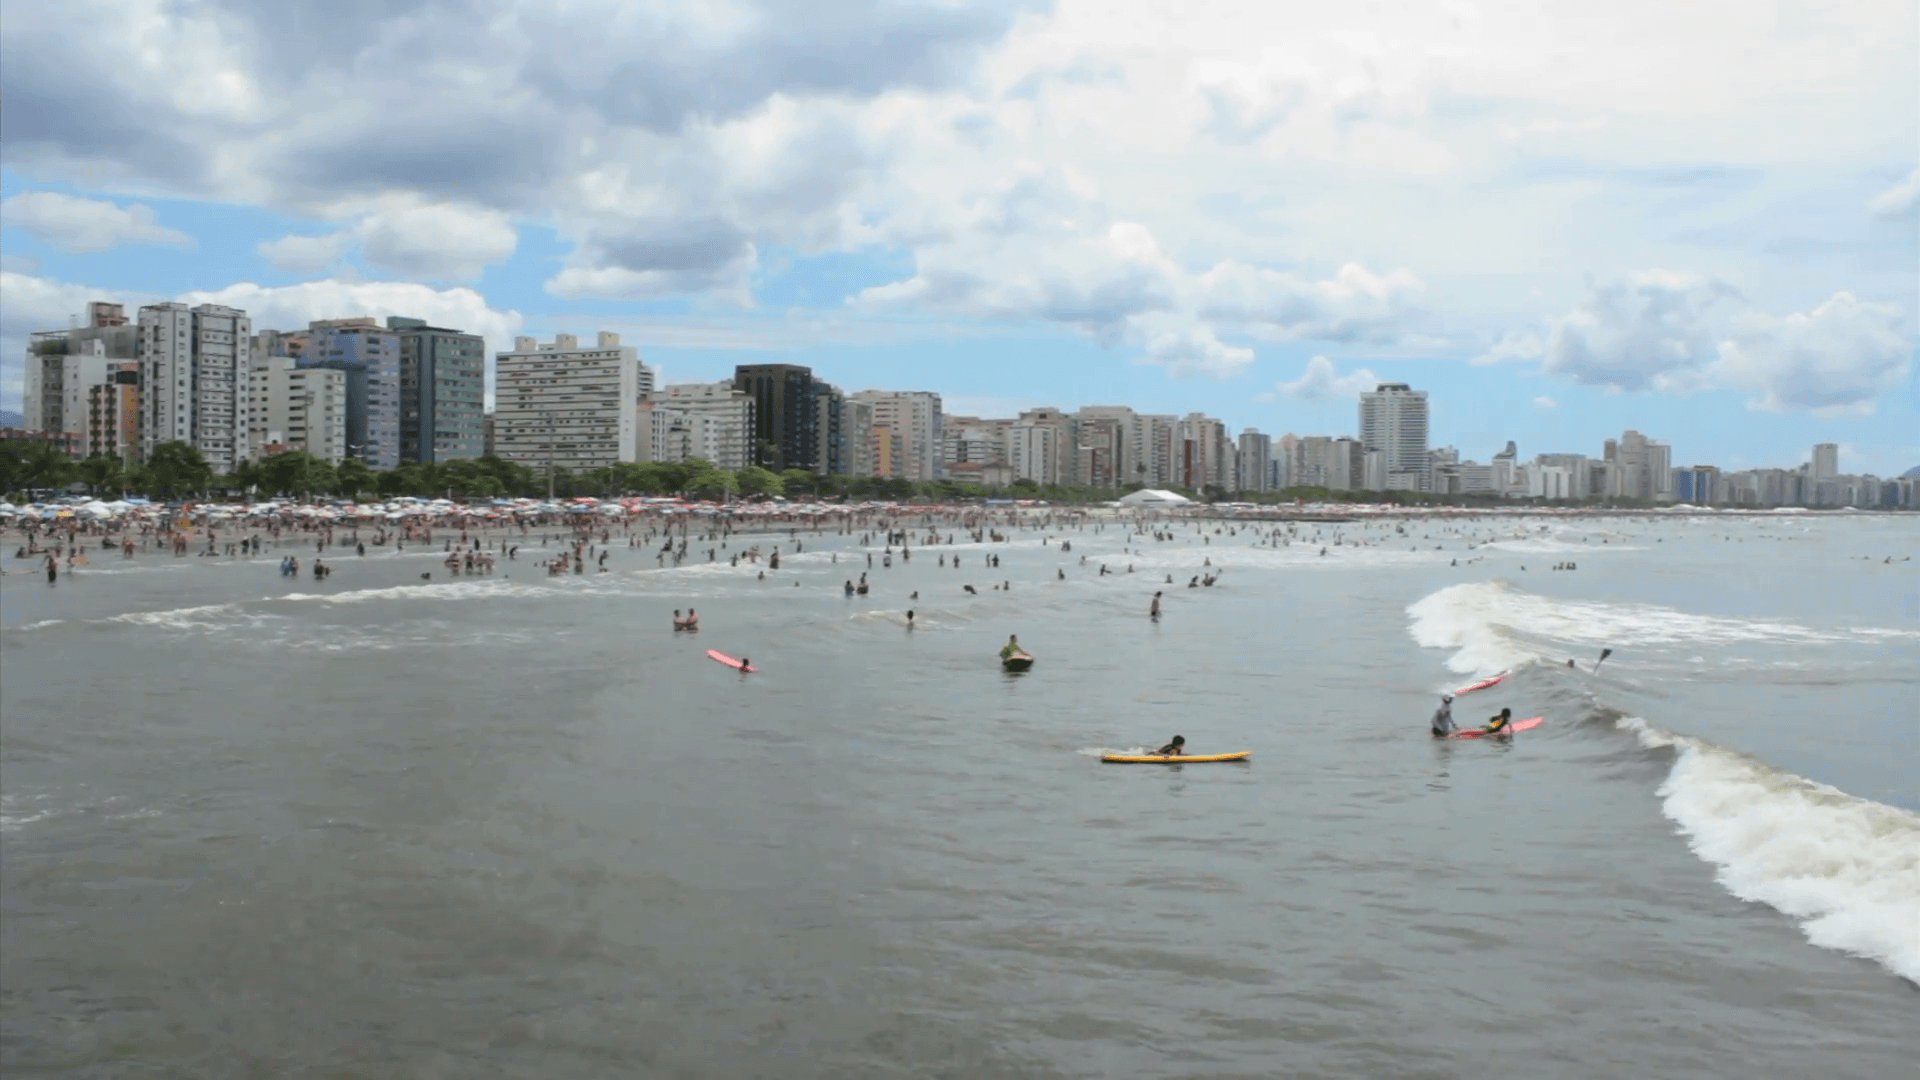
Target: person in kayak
<point x="1011" y="648"/>
<point x="1443" y="725"/>
<point x="1176" y="748"/>
<point x="1498" y="724"/>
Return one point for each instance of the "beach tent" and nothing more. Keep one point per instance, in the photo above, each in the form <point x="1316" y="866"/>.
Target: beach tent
<point x="1153" y="497"/>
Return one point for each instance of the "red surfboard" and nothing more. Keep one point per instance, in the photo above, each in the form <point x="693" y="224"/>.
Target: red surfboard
<point x="728" y="660"/>
<point x="1492" y="680"/>
<point x="1517" y="725"/>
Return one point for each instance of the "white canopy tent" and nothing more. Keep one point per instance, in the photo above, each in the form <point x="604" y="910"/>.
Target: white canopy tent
<point x="1154" y="497"/>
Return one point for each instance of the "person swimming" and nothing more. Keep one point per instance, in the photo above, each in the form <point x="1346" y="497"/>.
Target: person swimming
<point x="1176" y="748"/>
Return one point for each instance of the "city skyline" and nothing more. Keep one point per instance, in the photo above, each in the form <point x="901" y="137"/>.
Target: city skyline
<point x="1254" y="214"/>
<point x="643" y="414"/>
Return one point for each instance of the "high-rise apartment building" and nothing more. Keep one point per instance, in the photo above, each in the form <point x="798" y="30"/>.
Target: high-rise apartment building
<point x="907" y="433"/>
<point x="786" y="422"/>
<point x="1202" y="450"/>
<point x="975" y="451"/>
<point x="561" y="406"/>
<point x="1393" y="420"/>
<point x="1255" y="462"/>
<point x="1103" y="445"/>
<point x="443" y="390"/>
<point x="1155" y="437"/>
<point x="1637" y="467"/>
<point x="113" y="413"/>
<point x="289" y="408"/>
<point x="833" y="449"/>
<point x="193" y="362"/>
<point x="1040" y="446"/>
<point x="709" y="421"/>
<point x="368" y="354"/>
<point x="856" y="438"/>
<point x="62" y="367"/>
<point x="1826" y="461"/>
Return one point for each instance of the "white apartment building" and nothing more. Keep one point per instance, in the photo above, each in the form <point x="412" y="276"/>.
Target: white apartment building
<point x="1203" y="453"/>
<point x="193" y="364"/>
<point x="294" y="408"/>
<point x="558" y="405"/>
<point x="1255" y="461"/>
<point x="1040" y="446"/>
<point x="906" y="433"/>
<point x="1102" y="441"/>
<point x="1109" y="444"/>
<point x="1154" y="439"/>
<point x="709" y="421"/>
<point x="973" y="450"/>
<point x="64" y="366"/>
<point x="856" y="435"/>
<point x="1393" y="419"/>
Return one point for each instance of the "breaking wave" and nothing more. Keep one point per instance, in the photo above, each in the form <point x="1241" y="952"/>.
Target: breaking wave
<point x="1491" y="625"/>
<point x="1848" y="869"/>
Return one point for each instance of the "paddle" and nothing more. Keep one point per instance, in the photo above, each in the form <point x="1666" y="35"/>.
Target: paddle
<point x="1604" y="653"/>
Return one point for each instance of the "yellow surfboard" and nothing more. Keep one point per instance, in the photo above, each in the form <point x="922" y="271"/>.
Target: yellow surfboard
<point x="1172" y="759"/>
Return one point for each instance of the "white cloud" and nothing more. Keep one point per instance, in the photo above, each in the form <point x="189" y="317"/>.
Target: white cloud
<point x="1546" y="402"/>
<point x="306" y="254"/>
<point x="86" y="226"/>
<point x="1681" y="333"/>
<point x="435" y="241"/>
<point x="1838" y="358"/>
<point x="1899" y="200"/>
<point x="1653" y="330"/>
<point x="1321" y="381"/>
<point x="1282" y="161"/>
<point x="293" y="306"/>
<point x="1514" y="346"/>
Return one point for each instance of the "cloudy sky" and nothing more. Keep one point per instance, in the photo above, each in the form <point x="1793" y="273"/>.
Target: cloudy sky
<point x="1562" y="218"/>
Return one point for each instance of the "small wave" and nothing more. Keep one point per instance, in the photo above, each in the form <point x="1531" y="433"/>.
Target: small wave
<point x="204" y="617"/>
<point x="41" y="625"/>
<point x="1847" y="868"/>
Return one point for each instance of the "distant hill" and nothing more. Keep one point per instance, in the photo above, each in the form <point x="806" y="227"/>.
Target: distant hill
<point x="9" y="418"/>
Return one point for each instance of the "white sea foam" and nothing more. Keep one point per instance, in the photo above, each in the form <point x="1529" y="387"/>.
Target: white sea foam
<point x="454" y="590"/>
<point x="17" y="813"/>
<point x="1488" y="624"/>
<point x="1536" y="546"/>
<point x="203" y="617"/>
<point x="1847" y="868"/>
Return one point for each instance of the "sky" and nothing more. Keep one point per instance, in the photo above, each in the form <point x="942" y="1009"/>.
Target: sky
<point x="1561" y="219"/>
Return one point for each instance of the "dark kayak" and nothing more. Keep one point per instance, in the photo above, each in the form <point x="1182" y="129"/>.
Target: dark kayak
<point x="1017" y="662"/>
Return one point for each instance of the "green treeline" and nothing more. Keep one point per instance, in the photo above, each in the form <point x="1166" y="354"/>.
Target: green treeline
<point x="176" y="470"/>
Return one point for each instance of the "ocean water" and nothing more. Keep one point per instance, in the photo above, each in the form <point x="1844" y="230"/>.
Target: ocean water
<point x="378" y="826"/>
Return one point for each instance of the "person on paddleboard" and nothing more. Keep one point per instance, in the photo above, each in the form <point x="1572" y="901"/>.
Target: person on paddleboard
<point x="1176" y="748"/>
<point x="1443" y="717"/>
<point x="1498" y="724"/>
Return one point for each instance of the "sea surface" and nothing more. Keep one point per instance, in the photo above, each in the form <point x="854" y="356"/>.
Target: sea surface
<point x="516" y="827"/>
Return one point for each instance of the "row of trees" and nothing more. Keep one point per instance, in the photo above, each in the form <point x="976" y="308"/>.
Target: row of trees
<point x="176" y="469"/>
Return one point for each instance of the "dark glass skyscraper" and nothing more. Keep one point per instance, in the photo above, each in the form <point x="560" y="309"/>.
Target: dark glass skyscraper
<point x="443" y="386"/>
<point x="786" y="423"/>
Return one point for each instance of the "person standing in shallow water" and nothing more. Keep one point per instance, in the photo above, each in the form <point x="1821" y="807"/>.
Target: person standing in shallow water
<point x="1153" y="610"/>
